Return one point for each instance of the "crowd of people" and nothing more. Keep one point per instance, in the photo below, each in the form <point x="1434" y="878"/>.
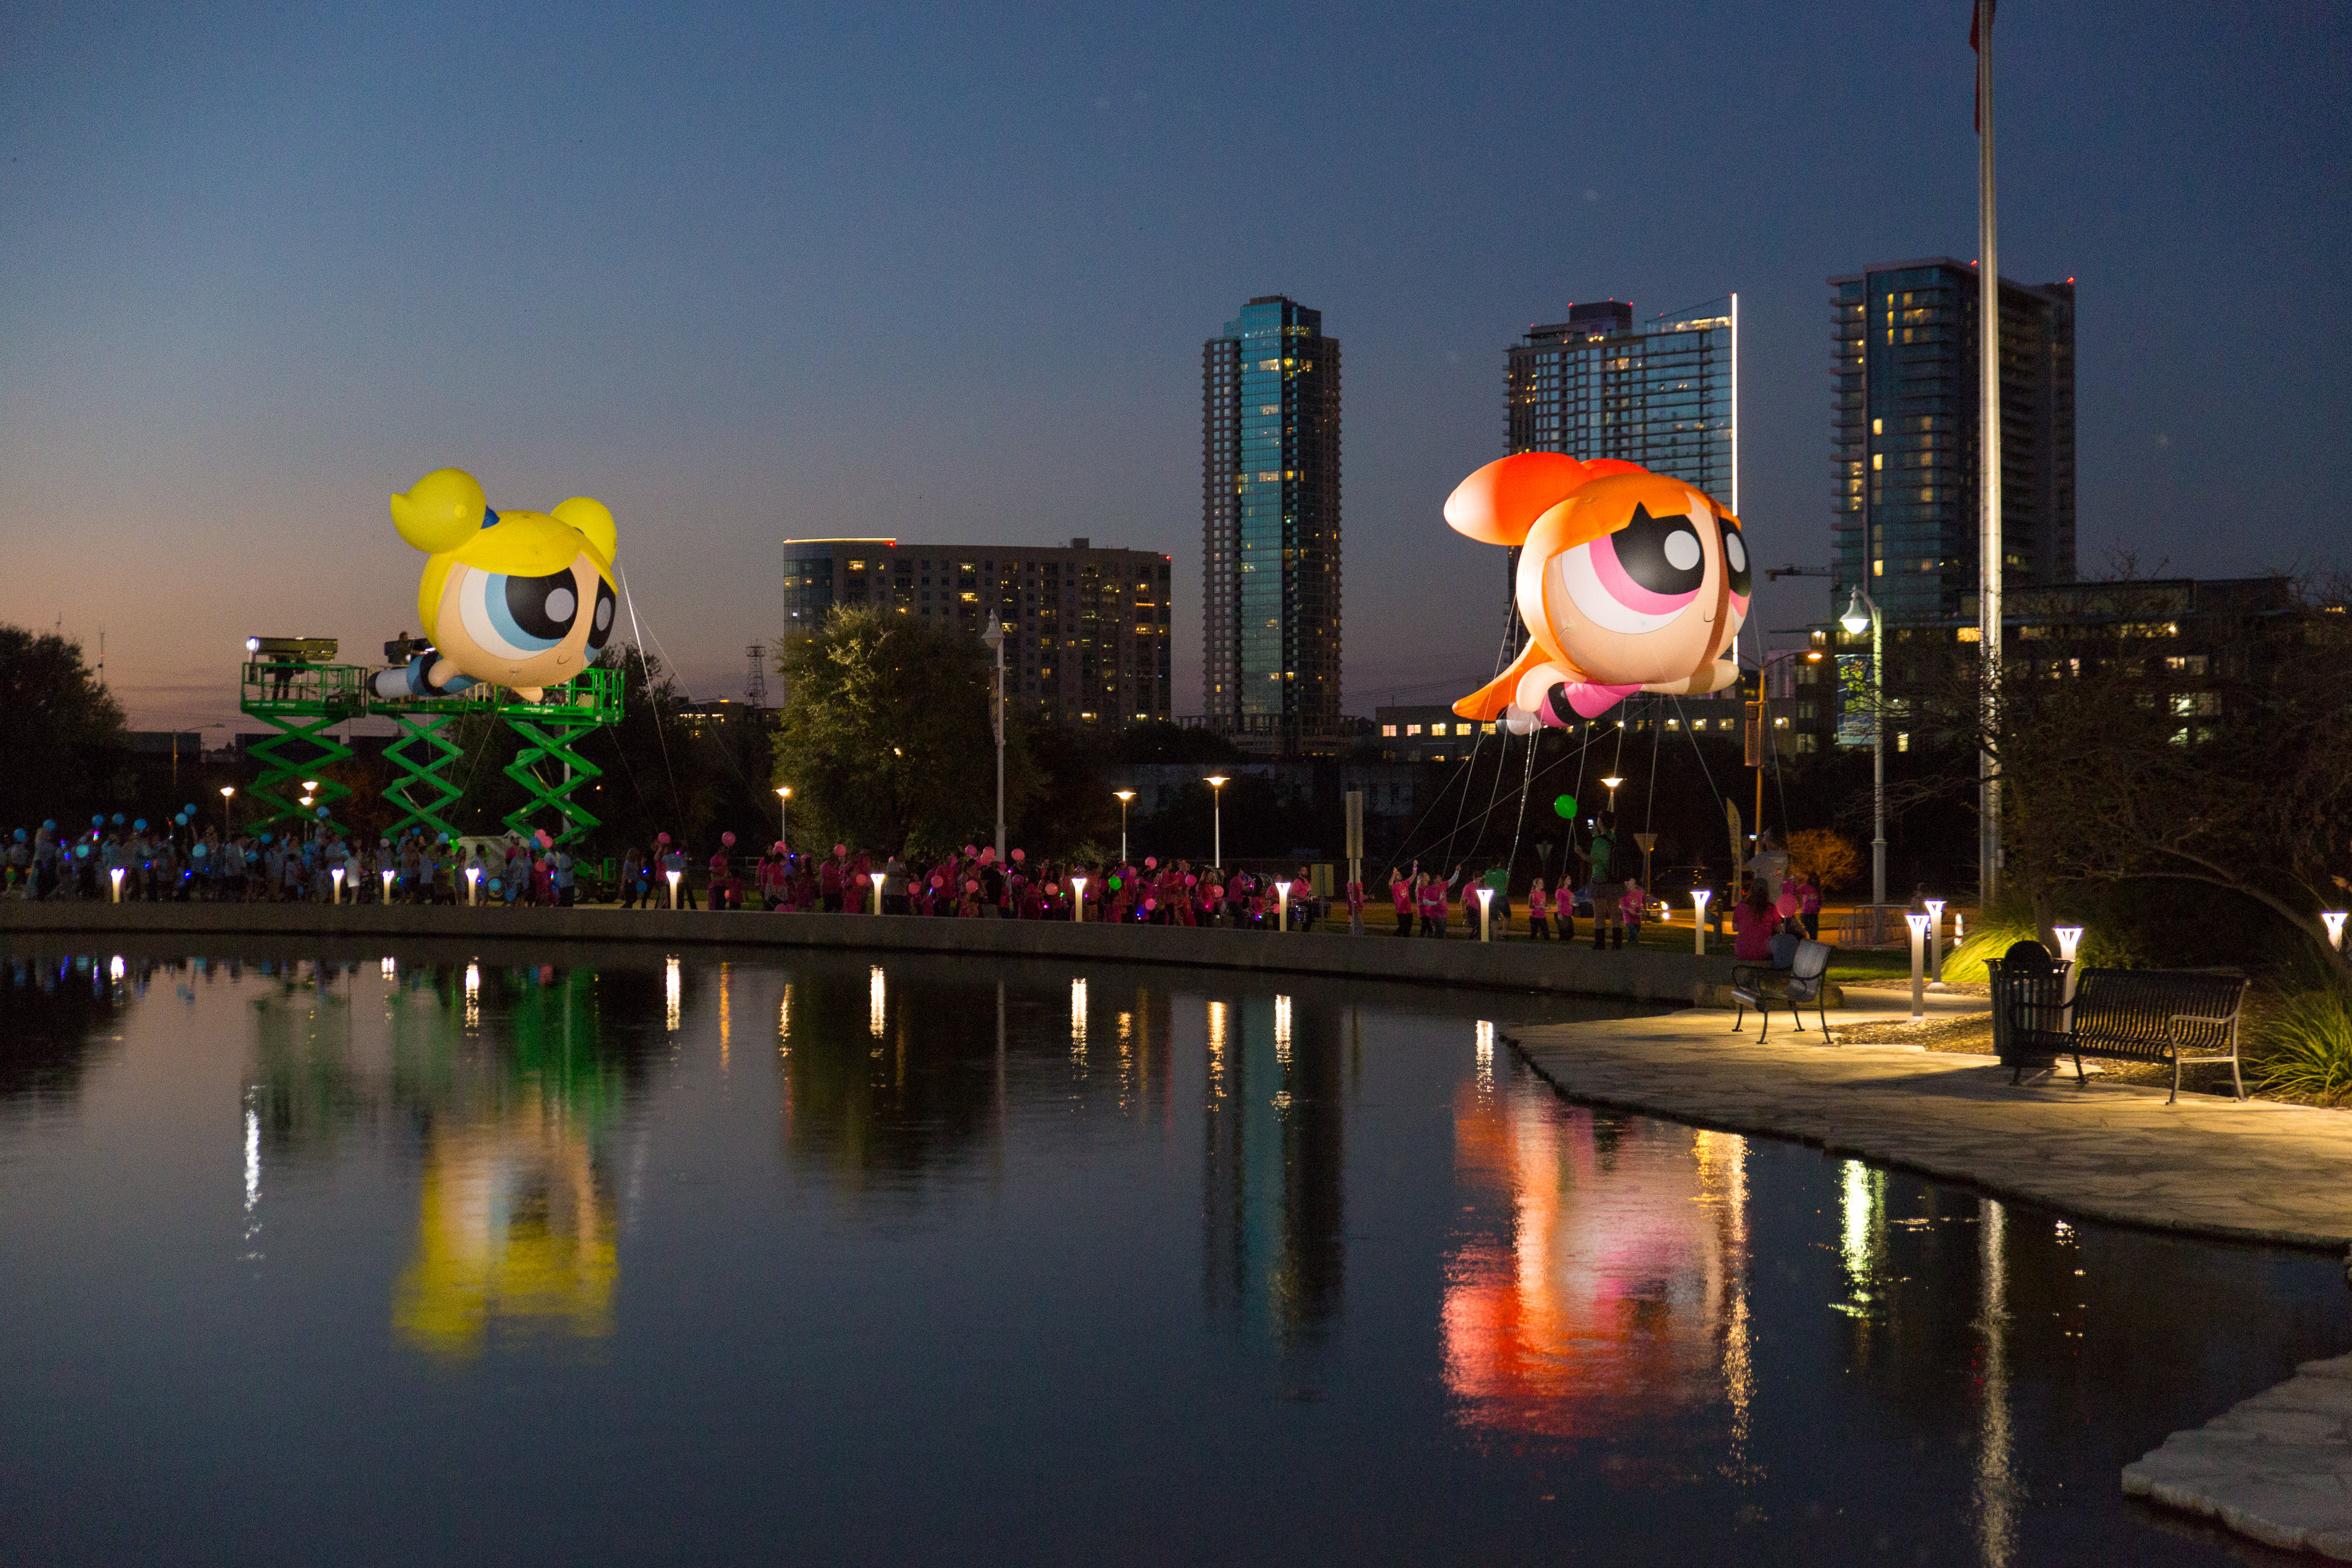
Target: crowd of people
<point x="322" y="861"/>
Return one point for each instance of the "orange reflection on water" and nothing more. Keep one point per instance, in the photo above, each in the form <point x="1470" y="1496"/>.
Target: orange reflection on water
<point x="511" y="1228"/>
<point x="1601" y="1268"/>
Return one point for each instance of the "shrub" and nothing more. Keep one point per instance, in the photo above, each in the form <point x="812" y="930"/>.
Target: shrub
<point x="2304" y="1045"/>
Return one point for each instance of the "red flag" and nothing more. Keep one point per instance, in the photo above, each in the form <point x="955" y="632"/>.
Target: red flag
<point x="1979" y="15"/>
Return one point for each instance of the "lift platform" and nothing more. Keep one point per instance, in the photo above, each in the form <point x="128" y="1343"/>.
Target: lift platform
<point x="301" y="700"/>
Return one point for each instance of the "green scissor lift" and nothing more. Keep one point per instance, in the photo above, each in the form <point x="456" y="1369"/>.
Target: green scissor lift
<point x="301" y="701"/>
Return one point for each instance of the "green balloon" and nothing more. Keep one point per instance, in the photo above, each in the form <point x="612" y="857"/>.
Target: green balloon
<point x="1566" y="806"/>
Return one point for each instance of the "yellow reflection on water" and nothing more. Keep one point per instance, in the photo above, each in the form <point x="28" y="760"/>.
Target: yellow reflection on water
<point x="1218" y="1025"/>
<point x="1996" y="1482"/>
<point x="877" y="999"/>
<point x="511" y="1230"/>
<point x="1861" y="1233"/>
<point x="673" y="996"/>
<point x="1079" y="1021"/>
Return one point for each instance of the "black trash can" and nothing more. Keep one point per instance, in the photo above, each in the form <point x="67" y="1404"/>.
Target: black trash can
<point x="2027" y="982"/>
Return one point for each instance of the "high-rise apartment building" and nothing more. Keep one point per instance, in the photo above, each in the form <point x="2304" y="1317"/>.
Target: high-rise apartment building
<point x="1662" y="393"/>
<point x="1270" y="522"/>
<point x="1904" y="425"/>
<point x="1085" y="630"/>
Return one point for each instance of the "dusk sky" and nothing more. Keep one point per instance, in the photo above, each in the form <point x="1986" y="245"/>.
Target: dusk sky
<point x="746" y="273"/>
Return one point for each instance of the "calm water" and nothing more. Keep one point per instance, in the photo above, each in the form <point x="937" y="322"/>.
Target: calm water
<point x="412" y="1260"/>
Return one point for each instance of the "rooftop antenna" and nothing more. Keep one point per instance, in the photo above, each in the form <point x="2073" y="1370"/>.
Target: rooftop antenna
<point x="755" y="678"/>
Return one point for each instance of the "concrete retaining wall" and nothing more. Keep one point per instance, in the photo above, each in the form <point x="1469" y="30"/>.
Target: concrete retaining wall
<point x="1638" y="974"/>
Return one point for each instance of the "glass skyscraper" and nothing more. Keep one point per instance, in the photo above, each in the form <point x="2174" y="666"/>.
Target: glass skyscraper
<point x="1270" y="522"/>
<point x="1903" y="423"/>
<point x="1662" y="394"/>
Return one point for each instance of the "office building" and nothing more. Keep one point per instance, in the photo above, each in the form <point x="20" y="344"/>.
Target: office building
<point x="2186" y="635"/>
<point x="1085" y="630"/>
<point x="1904" y="424"/>
<point x="1662" y="393"/>
<point x="1270" y="524"/>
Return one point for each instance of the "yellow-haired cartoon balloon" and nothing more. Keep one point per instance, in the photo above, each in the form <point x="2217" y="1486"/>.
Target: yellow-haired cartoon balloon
<point x="521" y="600"/>
<point x="1628" y="581"/>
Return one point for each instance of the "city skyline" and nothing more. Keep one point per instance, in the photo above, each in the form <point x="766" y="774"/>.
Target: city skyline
<point x="859" y="276"/>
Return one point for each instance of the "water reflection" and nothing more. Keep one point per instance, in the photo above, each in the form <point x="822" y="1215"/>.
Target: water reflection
<point x="1598" y="1272"/>
<point x="515" y="1097"/>
<point x="508" y="1083"/>
<point x="1274" y="1249"/>
<point x="61" y="1013"/>
<point x="980" y="1229"/>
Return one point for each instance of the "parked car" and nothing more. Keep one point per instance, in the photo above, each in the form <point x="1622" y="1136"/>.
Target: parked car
<point x="1676" y="883"/>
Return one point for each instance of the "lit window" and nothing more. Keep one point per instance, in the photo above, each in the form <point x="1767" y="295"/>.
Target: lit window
<point x="1412" y="730"/>
<point x="1388" y="729"/>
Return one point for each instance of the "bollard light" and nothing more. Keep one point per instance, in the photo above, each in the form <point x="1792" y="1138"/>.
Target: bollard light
<point x="1699" y="895"/>
<point x="386" y="874"/>
<point x="473" y="885"/>
<point x="1077" y="898"/>
<point x="1281" y="906"/>
<point x="1486" y="913"/>
<point x="1936" y="943"/>
<point x="114" y="873"/>
<point x="673" y="876"/>
<point x="1919" y="923"/>
<point x="2070" y="937"/>
<point x="877" y="877"/>
<point x="336" y="873"/>
<point x="2335" y="918"/>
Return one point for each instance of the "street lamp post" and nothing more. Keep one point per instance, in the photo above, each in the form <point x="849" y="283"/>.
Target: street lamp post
<point x="785" y="818"/>
<point x="1611" y="784"/>
<point x="1217" y="783"/>
<point x="227" y="792"/>
<point x="1124" y="797"/>
<point x="994" y="638"/>
<point x="1862" y="610"/>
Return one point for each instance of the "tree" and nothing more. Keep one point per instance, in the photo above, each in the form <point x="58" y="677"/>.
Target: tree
<point x="2118" y="765"/>
<point x="61" y="733"/>
<point x="887" y="741"/>
<point x="1827" y="856"/>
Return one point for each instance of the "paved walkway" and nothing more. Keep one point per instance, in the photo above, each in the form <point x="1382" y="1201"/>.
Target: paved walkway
<point x="2277" y="1467"/>
<point x="2254" y="1171"/>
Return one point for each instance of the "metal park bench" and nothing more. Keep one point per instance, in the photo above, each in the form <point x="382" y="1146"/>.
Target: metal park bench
<point x="2135" y="1015"/>
<point x="1801" y="984"/>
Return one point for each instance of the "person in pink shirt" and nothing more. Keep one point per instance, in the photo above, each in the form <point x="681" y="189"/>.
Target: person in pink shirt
<point x="1752" y="925"/>
<point x="1631" y="907"/>
<point x="1538" y="910"/>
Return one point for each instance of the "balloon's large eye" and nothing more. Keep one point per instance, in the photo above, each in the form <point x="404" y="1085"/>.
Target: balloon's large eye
<point x="518" y="617"/>
<point x="1735" y="558"/>
<point x="1639" y="578"/>
<point x="600" y="628"/>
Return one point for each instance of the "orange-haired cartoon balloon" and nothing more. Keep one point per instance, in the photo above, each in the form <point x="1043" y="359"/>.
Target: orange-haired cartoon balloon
<point x="521" y="600"/>
<point x="1628" y="581"/>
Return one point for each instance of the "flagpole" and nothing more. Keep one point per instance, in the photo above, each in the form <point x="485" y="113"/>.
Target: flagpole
<point x="1992" y="560"/>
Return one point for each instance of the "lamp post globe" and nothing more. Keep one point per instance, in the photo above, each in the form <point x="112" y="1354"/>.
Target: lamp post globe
<point x="1124" y="797"/>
